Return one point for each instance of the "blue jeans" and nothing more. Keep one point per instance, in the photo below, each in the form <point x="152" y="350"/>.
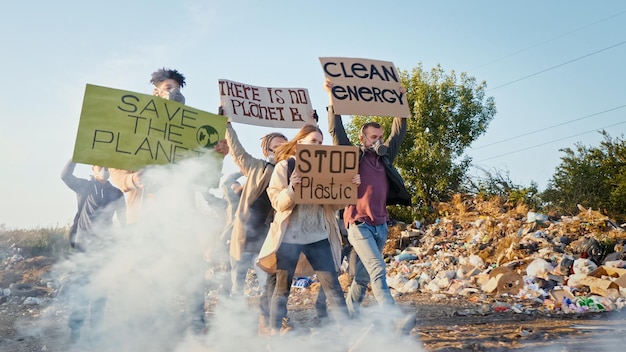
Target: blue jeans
<point x="320" y="256"/>
<point x="368" y="242"/>
<point x="83" y="305"/>
<point x="320" y="303"/>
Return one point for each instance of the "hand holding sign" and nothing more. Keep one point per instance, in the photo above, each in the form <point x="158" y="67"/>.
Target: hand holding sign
<point x="356" y="179"/>
<point x="295" y="178"/>
<point x="221" y="147"/>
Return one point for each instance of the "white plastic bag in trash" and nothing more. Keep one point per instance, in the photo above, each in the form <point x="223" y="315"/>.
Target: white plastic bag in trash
<point x="539" y="268"/>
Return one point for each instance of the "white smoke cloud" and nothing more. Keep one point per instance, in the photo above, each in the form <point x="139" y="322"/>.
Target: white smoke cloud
<point x="152" y="276"/>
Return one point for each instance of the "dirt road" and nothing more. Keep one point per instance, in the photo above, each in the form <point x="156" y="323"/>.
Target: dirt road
<point x="449" y="325"/>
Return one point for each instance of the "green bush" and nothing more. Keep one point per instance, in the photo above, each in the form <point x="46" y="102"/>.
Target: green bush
<point x="409" y="214"/>
<point x="49" y="242"/>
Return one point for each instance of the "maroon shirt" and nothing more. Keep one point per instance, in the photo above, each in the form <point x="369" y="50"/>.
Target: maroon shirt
<point x="371" y="195"/>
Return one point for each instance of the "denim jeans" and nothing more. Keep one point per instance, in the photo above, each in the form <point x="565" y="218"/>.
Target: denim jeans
<point x="83" y="305"/>
<point x="368" y="242"/>
<point x="239" y="271"/>
<point x="320" y="256"/>
<point x="320" y="303"/>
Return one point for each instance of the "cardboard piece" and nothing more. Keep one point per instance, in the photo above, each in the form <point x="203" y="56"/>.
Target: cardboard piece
<point x="326" y="174"/>
<point x="499" y="270"/>
<point x="617" y="273"/>
<point x="605" y="281"/>
<point x="266" y="106"/>
<point x="510" y="283"/>
<point x="365" y="87"/>
<point x="602" y="287"/>
<point x="126" y="130"/>
<point x="506" y="281"/>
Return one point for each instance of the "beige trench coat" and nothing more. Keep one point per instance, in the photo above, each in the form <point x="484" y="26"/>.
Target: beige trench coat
<point x="258" y="173"/>
<point x="282" y="196"/>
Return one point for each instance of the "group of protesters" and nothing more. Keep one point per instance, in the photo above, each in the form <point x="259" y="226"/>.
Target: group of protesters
<point x="266" y="230"/>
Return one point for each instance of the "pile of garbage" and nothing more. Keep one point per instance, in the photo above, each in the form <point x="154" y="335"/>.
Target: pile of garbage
<point x="480" y="248"/>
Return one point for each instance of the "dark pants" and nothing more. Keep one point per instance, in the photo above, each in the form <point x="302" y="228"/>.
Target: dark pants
<point x="321" y="308"/>
<point x="266" y="296"/>
<point x="83" y="305"/>
<point x="320" y="256"/>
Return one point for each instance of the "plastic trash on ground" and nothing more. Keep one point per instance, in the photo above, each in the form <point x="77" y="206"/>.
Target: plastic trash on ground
<point x="301" y="282"/>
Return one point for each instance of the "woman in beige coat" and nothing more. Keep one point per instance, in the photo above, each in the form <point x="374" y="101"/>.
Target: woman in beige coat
<point x="308" y="230"/>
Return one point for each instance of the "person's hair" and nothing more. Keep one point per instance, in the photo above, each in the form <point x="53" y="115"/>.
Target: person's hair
<point x="368" y="124"/>
<point x="285" y="150"/>
<point x="267" y="139"/>
<point x="162" y="74"/>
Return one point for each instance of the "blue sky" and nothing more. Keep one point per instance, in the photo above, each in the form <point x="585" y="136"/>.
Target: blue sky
<point x="546" y="63"/>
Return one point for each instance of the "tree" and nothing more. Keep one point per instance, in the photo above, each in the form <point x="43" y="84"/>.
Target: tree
<point x="594" y="177"/>
<point x="448" y="114"/>
<point x="497" y="183"/>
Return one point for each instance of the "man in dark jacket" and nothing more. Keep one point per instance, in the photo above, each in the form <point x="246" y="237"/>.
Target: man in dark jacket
<point x="366" y="221"/>
<point x="98" y="202"/>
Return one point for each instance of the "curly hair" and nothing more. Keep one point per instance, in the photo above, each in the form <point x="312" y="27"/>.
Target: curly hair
<point x="162" y="74"/>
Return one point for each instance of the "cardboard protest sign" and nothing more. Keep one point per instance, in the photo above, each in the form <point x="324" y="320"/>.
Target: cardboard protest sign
<point x="263" y="106"/>
<point x="365" y="87"/>
<point x="128" y="130"/>
<point x="327" y="173"/>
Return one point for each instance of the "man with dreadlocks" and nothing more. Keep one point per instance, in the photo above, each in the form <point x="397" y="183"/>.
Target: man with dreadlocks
<point x="253" y="216"/>
<point x="167" y="84"/>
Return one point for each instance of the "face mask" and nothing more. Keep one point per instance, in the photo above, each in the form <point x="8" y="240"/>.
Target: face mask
<point x="173" y="94"/>
<point x="271" y="159"/>
<point x="378" y="147"/>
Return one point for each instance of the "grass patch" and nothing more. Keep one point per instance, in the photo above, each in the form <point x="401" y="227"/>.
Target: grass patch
<point x="49" y="242"/>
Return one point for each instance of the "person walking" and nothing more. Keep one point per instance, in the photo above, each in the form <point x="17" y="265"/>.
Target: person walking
<point x="98" y="203"/>
<point x="367" y="220"/>
<point x="309" y="229"/>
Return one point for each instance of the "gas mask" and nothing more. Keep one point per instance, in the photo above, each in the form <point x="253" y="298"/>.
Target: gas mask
<point x="173" y="94"/>
<point x="378" y="147"/>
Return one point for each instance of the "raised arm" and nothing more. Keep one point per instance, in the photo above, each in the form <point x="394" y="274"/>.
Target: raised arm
<point x="67" y="175"/>
<point x="398" y="131"/>
<point x="125" y="180"/>
<point x="335" y="124"/>
<point x="229" y="194"/>
<point x="241" y="157"/>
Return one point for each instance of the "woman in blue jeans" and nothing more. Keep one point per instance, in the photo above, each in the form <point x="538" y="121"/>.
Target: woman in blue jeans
<point x="309" y="229"/>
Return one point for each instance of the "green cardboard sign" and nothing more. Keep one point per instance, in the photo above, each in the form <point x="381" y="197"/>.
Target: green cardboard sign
<point x="128" y="130"/>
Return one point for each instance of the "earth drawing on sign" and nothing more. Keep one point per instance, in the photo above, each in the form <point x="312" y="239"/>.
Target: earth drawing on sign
<point x="207" y="136"/>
